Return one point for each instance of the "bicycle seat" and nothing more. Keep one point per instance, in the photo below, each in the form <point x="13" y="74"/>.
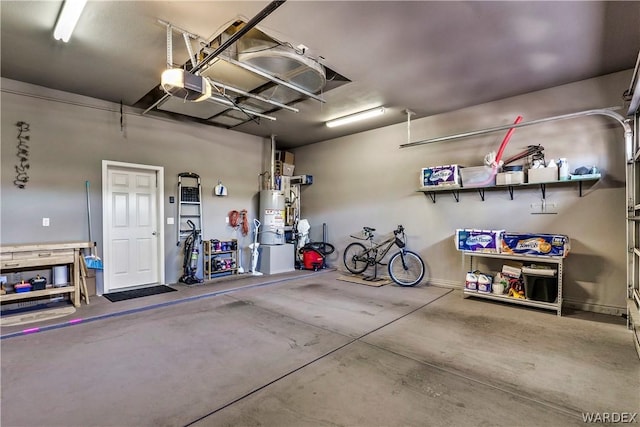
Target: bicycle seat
<point x="368" y="229"/>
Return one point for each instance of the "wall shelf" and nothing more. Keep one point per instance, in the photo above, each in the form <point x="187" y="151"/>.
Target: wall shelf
<point x="455" y="191"/>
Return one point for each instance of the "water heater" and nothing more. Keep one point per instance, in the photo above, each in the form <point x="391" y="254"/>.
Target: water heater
<point x="272" y="214"/>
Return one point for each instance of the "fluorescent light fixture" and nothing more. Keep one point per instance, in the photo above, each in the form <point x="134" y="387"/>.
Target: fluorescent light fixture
<point x="68" y="19"/>
<point x="356" y="117"/>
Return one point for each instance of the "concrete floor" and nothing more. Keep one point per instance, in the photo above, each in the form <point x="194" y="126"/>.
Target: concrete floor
<point x="305" y="349"/>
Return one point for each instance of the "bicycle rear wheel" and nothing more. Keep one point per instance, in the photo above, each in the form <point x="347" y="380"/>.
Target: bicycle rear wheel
<point x="354" y="258"/>
<point x="406" y="268"/>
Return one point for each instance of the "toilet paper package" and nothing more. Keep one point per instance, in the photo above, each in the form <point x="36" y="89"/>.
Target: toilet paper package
<point x="487" y="241"/>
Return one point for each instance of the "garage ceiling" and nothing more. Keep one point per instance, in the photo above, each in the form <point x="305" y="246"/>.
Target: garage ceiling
<point x="426" y="57"/>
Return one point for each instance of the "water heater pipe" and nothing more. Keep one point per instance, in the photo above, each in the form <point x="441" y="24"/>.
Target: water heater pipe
<point x="273" y="163"/>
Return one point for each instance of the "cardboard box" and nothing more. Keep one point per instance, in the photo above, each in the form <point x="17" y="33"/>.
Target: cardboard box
<point x="448" y="175"/>
<point x="542" y="175"/>
<point x="287" y="169"/>
<point x="284" y="157"/>
<point x="487" y="241"/>
<point x="512" y="270"/>
<point x="91" y="281"/>
<point x="510" y="178"/>
<point x="535" y="244"/>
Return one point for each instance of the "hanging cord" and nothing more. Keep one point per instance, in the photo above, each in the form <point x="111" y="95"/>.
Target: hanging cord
<point x="239" y="219"/>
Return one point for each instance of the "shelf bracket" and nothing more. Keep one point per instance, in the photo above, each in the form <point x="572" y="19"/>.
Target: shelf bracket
<point x="510" y="191"/>
<point x="456" y="195"/>
<point x="432" y="196"/>
<point x="580" y="188"/>
<point x="543" y="189"/>
<point x="481" y="193"/>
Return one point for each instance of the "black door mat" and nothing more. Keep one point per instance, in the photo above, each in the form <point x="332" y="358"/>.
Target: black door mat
<point x="138" y="293"/>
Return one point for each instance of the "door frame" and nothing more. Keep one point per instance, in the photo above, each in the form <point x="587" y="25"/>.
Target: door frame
<point x="159" y="170"/>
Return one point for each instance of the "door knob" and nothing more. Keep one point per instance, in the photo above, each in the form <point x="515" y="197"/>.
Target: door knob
<point x="154" y="233"/>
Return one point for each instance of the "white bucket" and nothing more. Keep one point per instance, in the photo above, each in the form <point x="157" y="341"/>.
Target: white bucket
<point x="60" y="275"/>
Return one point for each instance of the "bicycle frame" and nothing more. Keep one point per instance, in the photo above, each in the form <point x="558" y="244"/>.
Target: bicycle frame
<point x="378" y="256"/>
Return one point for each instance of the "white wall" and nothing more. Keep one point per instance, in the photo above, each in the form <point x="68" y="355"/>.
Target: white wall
<point x="71" y="135"/>
<point x="366" y="179"/>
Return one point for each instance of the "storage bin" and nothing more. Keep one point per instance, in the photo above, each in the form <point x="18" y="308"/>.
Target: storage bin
<point x="22" y="287"/>
<point x="478" y="176"/>
<point x="543" y="289"/>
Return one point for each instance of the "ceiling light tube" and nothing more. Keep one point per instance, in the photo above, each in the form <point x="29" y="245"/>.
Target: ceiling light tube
<point x="68" y="19"/>
<point x="356" y="117"/>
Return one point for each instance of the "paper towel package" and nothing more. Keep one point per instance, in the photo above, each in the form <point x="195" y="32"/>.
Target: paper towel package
<point x="535" y="244"/>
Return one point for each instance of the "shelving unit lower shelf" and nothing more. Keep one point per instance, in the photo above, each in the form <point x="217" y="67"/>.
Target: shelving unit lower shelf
<point x="468" y="264"/>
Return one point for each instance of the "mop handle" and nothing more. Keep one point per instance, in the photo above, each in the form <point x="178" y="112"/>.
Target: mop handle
<point x="88" y="210"/>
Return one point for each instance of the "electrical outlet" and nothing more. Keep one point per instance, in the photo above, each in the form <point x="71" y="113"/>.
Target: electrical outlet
<point x="226" y="220"/>
<point x="170" y="221"/>
<point x="45" y="222"/>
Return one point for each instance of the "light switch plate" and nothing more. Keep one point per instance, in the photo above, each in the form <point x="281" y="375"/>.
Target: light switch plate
<point x="170" y="221"/>
<point x="45" y="222"/>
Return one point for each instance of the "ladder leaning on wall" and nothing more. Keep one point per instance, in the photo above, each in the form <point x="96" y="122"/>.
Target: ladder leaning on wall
<point x="189" y="204"/>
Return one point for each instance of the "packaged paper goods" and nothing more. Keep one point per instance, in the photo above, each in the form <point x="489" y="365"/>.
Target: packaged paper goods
<point x="472" y="240"/>
<point x="447" y="175"/>
<point x="557" y="245"/>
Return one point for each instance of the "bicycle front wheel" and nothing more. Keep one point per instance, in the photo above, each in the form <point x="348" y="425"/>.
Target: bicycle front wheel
<point x="406" y="268"/>
<point x="354" y="258"/>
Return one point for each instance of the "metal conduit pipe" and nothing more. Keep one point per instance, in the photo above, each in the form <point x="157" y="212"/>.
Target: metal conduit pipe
<point x="628" y="132"/>
<point x="273" y="162"/>
<point x="224" y="101"/>
<point x="251" y="95"/>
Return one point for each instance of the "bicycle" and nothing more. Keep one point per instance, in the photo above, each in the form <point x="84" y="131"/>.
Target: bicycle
<point x="405" y="268"/>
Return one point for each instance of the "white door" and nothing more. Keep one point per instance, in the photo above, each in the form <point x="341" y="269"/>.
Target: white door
<point x="131" y="224"/>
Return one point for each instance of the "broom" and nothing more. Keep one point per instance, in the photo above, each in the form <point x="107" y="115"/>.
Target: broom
<point x="92" y="260"/>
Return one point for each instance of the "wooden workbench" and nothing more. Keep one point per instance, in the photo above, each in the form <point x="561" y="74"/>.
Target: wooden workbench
<point x="34" y="256"/>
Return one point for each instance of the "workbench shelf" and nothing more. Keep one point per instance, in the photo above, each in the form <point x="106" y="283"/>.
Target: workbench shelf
<point x="455" y="191"/>
<point x="469" y="263"/>
<point x="220" y="262"/>
<point x="38" y="256"/>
